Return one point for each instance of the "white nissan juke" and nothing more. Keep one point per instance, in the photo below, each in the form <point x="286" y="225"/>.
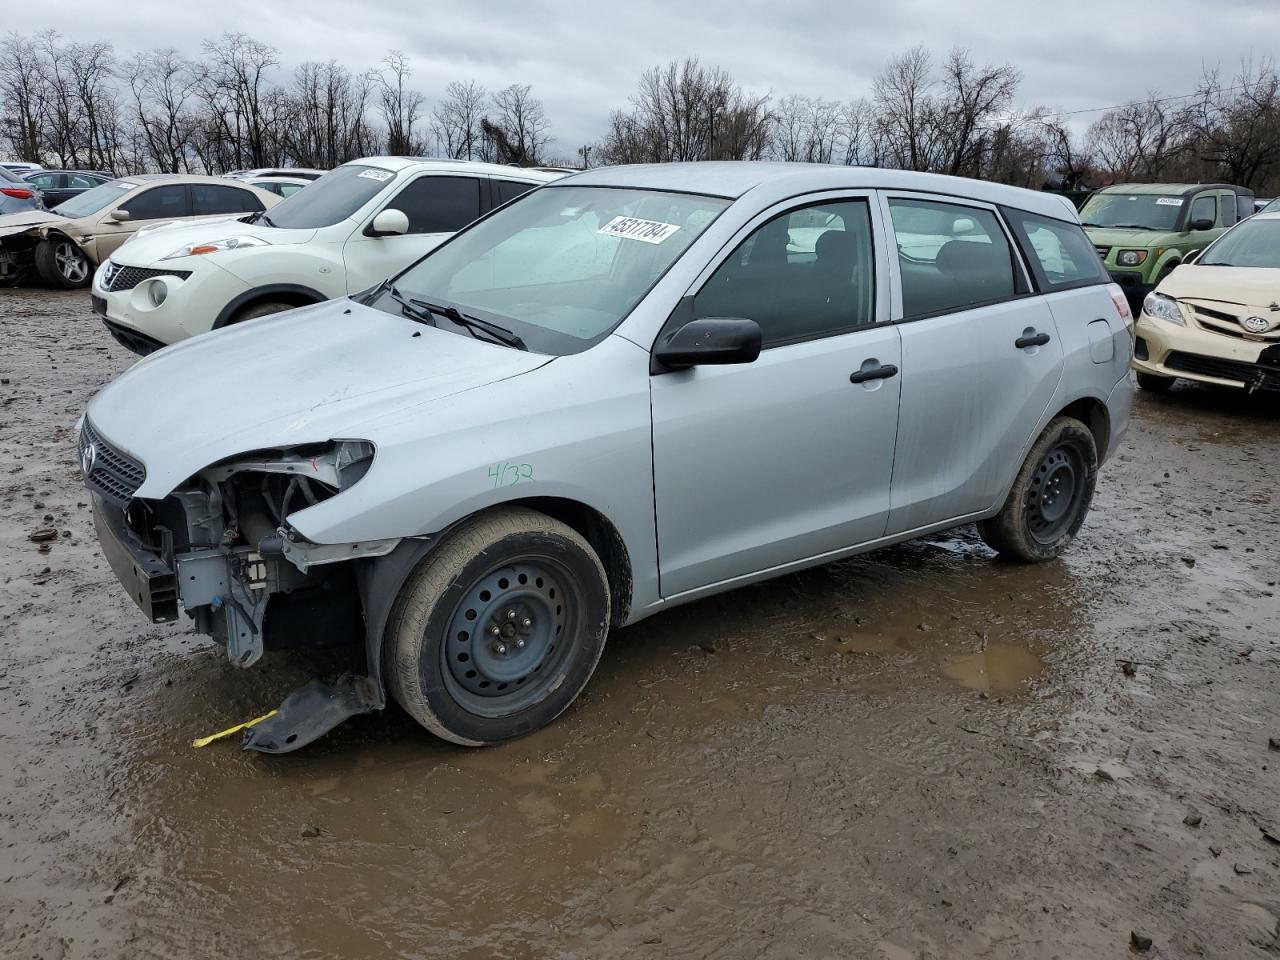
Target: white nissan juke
<point x="358" y="224"/>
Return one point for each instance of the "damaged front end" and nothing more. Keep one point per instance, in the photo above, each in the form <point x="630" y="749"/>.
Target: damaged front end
<point x="221" y="548"/>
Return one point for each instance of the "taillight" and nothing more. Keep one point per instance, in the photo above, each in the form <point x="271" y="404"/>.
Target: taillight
<point x="1121" y="302"/>
<point x="17" y="193"/>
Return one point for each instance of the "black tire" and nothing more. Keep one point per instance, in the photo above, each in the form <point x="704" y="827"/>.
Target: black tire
<point x="463" y="688"/>
<point x="62" y="265"/>
<point x="260" y="310"/>
<point x="1153" y="382"/>
<point x="1050" y="497"/>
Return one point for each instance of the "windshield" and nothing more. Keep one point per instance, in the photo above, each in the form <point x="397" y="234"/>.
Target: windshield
<point x="333" y="198"/>
<point x="1272" y="207"/>
<point x="1255" y="243"/>
<point x="91" y="201"/>
<point x="561" y="266"/>
<point x="1140" y="211"/>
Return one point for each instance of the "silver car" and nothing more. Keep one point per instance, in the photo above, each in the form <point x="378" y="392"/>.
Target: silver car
<point x="623" y="391"/>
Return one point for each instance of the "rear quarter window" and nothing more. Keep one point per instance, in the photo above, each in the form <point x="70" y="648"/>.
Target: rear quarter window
<point x="1060" y="254"/>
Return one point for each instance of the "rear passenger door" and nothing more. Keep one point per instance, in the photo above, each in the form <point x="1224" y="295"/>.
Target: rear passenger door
<point x="436" y="205"/>
<point x="214" y="199"/>
<point x="758" y="465"/>
<point x="981" y="358"/>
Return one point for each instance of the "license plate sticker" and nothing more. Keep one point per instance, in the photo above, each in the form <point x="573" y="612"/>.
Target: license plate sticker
<point x="631" y="228"/>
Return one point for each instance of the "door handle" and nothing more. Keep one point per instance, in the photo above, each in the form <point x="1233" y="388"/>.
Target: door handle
<point x="1035" y="340"/>
<point x="882" y="372"/>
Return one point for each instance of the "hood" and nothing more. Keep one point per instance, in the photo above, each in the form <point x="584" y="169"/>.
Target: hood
<point x="324" y="372"/>
<point x="1131" y="239"/>
<point x="152" y="244"/>
<point x="1251" y="286"/>
<point x="18" y="222"/>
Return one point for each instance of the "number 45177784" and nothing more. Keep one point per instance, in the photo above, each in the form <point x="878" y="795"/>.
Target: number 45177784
<point x="505" y="474"/>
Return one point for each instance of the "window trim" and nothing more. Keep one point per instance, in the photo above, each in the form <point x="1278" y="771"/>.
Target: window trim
<point x="879" y="297"/>
<point x="1023" y="285"/>
<point x="1041" y="282"/>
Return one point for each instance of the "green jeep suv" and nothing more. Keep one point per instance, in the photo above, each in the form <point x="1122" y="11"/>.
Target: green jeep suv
<point x="1143" y="230"/>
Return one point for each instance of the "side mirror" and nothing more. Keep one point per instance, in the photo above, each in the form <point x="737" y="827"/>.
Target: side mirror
<point x="711" y="340"/>
<point x="1202" y="224"/>
<point x="120" y="216"/>
<point x="388" y="223"/>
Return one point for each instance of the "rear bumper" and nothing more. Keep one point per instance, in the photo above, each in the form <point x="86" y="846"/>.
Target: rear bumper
<point x="149" y="581"/>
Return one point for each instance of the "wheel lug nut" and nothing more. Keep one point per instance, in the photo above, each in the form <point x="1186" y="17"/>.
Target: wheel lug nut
<point x="494" y="631"/>
<point x="500" y="649"/>
<point x="526" y="622"/>
<point x="519" y="643"/>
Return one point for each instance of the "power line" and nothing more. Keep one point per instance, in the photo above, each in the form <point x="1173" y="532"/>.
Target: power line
<point x="1117" y="106"/>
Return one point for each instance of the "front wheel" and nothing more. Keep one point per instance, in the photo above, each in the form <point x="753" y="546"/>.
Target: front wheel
<point x="499" y="629"/>
<point x="61" y="264"/>
<point x="1050" y="496"/>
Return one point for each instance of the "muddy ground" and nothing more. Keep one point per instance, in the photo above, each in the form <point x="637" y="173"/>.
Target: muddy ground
<point x="919" y="753"/>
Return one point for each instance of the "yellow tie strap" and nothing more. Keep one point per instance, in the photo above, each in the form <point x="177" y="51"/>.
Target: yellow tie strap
<point x="205" y="741"/>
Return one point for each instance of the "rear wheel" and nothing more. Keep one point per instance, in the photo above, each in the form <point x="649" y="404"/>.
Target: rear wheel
<point x="61" y="264"/>
<point x="1050" y="497"/>
<point x="499" y="629"/>
<point x="1154" y="383"/>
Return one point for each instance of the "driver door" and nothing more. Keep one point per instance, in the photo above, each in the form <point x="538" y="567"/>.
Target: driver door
<point x="436" y="204"/>
<point x="160" y="203"/>
<point x="765" y="464"/>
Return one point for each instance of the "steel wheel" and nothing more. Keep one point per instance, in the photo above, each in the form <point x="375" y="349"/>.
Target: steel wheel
<point x="1054" y="494"/>
<point x="502" y="649"/>
<point x="71" y="263"/>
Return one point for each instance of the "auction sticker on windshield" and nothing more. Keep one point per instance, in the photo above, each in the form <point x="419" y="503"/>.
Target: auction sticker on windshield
<point x="379" y="175"/>
<point x="629" y="228"/>
<point x="1169" y="201"/>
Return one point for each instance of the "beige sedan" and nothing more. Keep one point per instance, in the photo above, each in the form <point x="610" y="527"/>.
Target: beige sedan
<point x="62" y="247"/>
<point x="1216" y="319"/>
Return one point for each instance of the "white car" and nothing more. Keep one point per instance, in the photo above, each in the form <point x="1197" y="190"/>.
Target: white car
<point x="355" y="226"/>
<point x="304" y="173"/>
<point x="281" y="186"/>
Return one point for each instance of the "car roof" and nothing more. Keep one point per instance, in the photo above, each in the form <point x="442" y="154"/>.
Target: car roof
<point x="472" y="166"/>
<point x="776" y="180"/>
<point x="1172" y="189"/>
<point x="97" y="173"/>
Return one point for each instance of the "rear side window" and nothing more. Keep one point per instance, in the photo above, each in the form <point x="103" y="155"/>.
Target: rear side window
<point x="208" y="198"/>
<point x="510" y="189"/>
<point x="46" y="181"/>
<point x="1060" y="253"/>
<point x="158" y="203"/>
<point x="439" y="204"/>
<point x="951" y="257"/>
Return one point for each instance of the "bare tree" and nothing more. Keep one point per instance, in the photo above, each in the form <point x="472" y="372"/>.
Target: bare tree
<point x="908" y="111"/>
<point x="518" y="131"/>
<point x="456" y="119"/>
<point x="1237" y="128"/>
<point x="242" y="105"/>
<point x="1141" y="140"/>
<point x="163" y="85"/>
<point x="972" y="101"/>
<point x="399" y="107"/>
<point x="22" y="93"/>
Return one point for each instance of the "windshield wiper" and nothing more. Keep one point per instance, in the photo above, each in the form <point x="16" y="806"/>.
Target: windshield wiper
<point x="267" y="220"/>
<point x="410" y="308"/>
<point x="474" y="325"/>
<point x="1131" y="226"/>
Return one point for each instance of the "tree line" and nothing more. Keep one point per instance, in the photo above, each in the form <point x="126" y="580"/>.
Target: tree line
<point x="81" y="104"/>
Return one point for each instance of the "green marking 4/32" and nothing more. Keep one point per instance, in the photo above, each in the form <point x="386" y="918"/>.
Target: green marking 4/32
<point x="505" y="474"/>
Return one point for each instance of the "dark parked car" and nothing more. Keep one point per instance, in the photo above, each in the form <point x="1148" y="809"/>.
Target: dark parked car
<point x="16" y="195"/>
<point x="58" y="186"/>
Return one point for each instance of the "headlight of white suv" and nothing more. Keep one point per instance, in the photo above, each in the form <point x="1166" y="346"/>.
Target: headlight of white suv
<point x="213" y="246"/>
<point x="1165" y="308"/>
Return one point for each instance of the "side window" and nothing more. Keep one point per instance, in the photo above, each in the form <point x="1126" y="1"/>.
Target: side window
<point x="1204" y="207"/>
<point x="83" y="181"/>
<point x="509" y="190"/>
<point x="210" y="198"/>
<point x="439" y="204"/>
<point x="806" y="273"/>
<point x="1060" y="253"/>
<point x="45" y="181"/>
<point x="1227" y="206"/>
<point x="158" y="203"/>
<point x="951" y="257"/>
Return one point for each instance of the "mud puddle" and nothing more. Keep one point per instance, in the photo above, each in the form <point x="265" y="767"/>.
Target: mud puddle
<point x="894" y="756"/>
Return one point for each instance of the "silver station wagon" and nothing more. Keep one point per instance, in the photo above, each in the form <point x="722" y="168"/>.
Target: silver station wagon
<point x="623" y="391"/>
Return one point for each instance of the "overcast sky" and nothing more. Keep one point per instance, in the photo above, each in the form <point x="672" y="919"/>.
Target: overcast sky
<point x="583" y="59"/>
